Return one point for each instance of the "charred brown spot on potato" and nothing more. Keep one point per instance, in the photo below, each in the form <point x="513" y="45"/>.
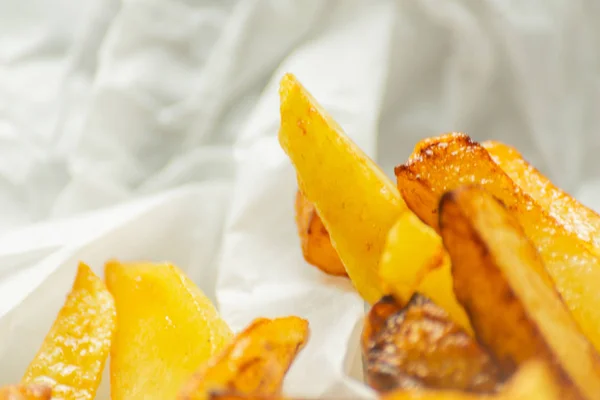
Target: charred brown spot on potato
<point x="301" y="125"/>
<point x="419" y="346"/>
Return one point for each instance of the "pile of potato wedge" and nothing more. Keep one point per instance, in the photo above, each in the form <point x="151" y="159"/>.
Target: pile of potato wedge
<point x="482" y="276"/>
<point x="165" y="340"/>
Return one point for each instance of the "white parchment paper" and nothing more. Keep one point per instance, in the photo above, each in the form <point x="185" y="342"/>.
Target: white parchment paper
<point x="146" y="129"/>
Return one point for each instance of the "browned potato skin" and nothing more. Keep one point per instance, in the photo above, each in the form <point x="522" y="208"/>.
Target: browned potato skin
<point x="443" y="163"/>
<point x="254" y="363"/>
<point x="514" y="313"/>
<point x="533" y="381"/>
<point x="419" y="346"/>
<point x="314" y="238"/>
<point x="220" y="395"/>
<point x="26" y="392"/>
<point x="447" y="162"/>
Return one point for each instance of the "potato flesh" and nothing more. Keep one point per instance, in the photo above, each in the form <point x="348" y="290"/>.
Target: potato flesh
<point x="167" y="329"/>
<point x="513" y="311"/>
<point x="414" y="260"/>
<point x="255" y="363"/>
<point x="419" y="346"/>
<point x="72" y="357"/>
<point x="446" y="163"/>
<point x="314" y="239"/>
<point x="356" y="201"/>
<point x="558" y="204"/>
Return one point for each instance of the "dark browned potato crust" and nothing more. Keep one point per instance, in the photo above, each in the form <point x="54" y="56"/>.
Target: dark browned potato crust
<point x="314" y="238"/>
<point x="418" y="346"/>
<point x="514" y="313"/>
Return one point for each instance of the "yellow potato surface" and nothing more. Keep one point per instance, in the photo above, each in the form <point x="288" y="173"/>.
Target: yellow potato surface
<point x="72" y="356"/>
<point x="166" y="329"/>
<point x="414" y="260"/>
<point x="355" y="199"/>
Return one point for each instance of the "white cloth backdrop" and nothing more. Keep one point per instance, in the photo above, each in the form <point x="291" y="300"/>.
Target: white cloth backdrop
<point x="147" y="129"/>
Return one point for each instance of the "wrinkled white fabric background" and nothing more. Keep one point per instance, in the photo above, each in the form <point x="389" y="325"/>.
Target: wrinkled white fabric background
<point x="147" y="129"/>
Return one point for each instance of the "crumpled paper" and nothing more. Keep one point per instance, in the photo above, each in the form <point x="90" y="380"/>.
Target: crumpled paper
<point x="146" y="129"/>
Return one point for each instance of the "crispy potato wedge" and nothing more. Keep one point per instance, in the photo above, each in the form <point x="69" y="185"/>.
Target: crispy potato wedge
<point x="72" y="356"/>
<point x="414" y="260"/>
<point x="26" y="392"/>
<point x="355" y="199"/>
<point x="513" y="311"/>
<point x="419" y="346"/>
<point x="559" y="204"/>
<point x="225" y="395"/>
<point x="533" y="381"/>
<point x="445" y="163"/>
<point x="255" y="363"/>
<point x="166" y="329"/>
<point x="314" y="239"/>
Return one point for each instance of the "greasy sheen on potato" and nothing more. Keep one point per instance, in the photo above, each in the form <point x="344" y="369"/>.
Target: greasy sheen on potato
<point x="314" y="238"/>
<point x="533" y="381"/>
<point x="513" y="311"/>
<point x="419" y="346"/>
<point x="445" y="163"/>
<point x="254" y="363"/>
<point x="356" y="201"/>
<point x="560" y="205"/>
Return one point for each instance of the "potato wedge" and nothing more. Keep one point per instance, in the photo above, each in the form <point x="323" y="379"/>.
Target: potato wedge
<point x="355" y="199"/>
<point x="514" y="312"/>
<point x="414" y="260"/>
<point x="167" y="328"/>
<point x="72" y="356"/>
<point x="419" y="346"/>
<point x="453" y="160"/>
<point x="314" y="239"/>
<point x="26" y="392"/>
<point x="560" y="205"/>
<point x="533" y="381"/>
<point x="228" y="395"/>
<point x="255" y="363"/>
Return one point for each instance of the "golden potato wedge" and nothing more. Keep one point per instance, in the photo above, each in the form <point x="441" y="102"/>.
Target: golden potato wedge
<point x="26" y="392"/>
<point x="513" y="311"/>
<point x="414" y="260"/>
<point x="556" y="202"/>
<point x="355" y="199"/>
<point x="255" y="363"/>
<point x="450" y="161"/>
<point x="71" y="359"/>
<point x="419" y="346"/>
<point x="226" y="395"/>
<point x="533" y="381"/>
<point x="166" y="328"/>
<point x="314" y="239"/>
